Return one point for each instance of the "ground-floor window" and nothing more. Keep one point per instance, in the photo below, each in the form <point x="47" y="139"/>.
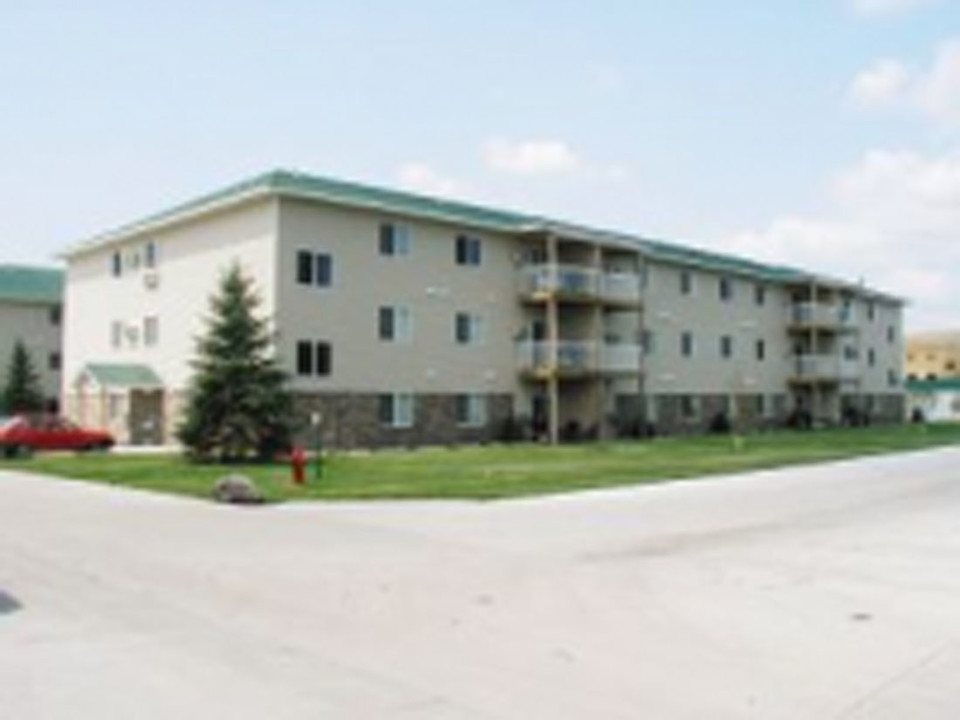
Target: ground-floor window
<point x="397" y="410"/>
<point x="471" y="410"/>
<point x="689" y="407"/>
<point x="760" y="405"/>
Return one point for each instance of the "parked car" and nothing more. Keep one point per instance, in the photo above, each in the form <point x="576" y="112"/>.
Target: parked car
<point x="24" y="434"/>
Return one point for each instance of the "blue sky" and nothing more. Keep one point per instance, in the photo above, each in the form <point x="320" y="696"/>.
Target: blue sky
<point x="823" y="133"/>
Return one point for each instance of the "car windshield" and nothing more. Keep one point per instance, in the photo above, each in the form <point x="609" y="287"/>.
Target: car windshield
<point x="9" y="422"/>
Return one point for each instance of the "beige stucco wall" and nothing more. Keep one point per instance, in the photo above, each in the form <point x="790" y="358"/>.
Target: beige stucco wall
<point x="191" y="258"/>
<point x="889" y="355"/>
<point x="427" y="281"/>
<point x="668" y="313"/>
<point x="30" y="323"/>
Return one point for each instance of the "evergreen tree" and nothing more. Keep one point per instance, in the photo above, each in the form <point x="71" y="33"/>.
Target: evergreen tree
<point x="237" y="405"/>
<point x="22" y="392"/>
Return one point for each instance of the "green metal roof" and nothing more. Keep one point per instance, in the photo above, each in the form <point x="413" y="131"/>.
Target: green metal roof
<point x="925" y="386"/>
<point x="32" y="285"/>
<point x="119" y="375"/>
<point x="286" y="183"/>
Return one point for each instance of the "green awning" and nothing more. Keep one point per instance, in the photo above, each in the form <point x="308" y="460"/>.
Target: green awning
<point x="119" y="375"/>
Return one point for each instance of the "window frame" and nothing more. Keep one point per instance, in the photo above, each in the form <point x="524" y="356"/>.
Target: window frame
<point x="305" y="267"/>
<point x="725" y="288"/>
<point x="151" y="331"/>
<point x="468" y="328"/>
<point x="395" y="324"/>
<point x="470" y="410"/>
<point x="726" y="347"/>
<point x="468" y="251"/>
<point x="397" y="410"/>
<point x="394" y="239"/>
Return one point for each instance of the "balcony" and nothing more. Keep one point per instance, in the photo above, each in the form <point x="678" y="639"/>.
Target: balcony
<point x="820" y="315"/>
<point x="578" y="358"/>
<point x="826" y="368"/>
<point x="573" y="283"/>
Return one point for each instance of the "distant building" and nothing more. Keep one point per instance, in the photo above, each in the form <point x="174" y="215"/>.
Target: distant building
<point x="933" y="355"/>
<point x="405" y="319"/>
<point x="31" y="309"/>
<point x="936" y="400"/>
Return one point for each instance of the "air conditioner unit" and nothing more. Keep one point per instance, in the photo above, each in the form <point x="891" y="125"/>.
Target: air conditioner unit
<point x="151" y="280"/>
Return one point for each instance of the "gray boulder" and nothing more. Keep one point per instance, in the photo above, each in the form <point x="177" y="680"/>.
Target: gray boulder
<point x="237" y="489"/>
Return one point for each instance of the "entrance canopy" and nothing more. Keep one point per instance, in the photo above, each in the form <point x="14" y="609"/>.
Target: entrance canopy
<point x="121" y="376"/>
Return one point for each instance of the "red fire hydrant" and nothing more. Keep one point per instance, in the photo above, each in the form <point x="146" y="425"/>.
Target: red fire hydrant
<point x="298" y="464"/>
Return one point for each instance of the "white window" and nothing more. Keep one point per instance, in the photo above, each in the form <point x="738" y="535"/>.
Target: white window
<point x="471" y="410"/>
<point x="725" y="288"/>
<point x="395" y="324"/>
<point x="647" y="341"/>
<point x="151" y="331"/>
<point x="394" y="239"/>
<point x="468" y="329"/>
<point x="468" y="250"/>
<point x="116" y="334"/>
<point x="314" y="268"/>
<point x="114" y="406"/>
<point x="396" y="410"/>
<point x="150" y="254"/>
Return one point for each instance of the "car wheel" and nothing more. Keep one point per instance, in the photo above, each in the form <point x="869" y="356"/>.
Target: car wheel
<point x="23" y="451"/>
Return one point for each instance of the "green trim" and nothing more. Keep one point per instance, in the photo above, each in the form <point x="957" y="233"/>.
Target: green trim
<point x="31" y="285"/>
<point x="284" y="183"/>
<point x="116" y="375"/>
<point x="928" y="386"/>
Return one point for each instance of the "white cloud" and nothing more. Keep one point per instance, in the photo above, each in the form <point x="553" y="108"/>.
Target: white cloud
<point x="874" y="8"/>
<point x="934" y="91"/>
<point x="902" y="190"/>
<point x="882" y="83"/>
<point x="895" y="224"/>
<point x="531" y="157"/>
<point x="939" y="90"/>
<point x="420" y="177"/>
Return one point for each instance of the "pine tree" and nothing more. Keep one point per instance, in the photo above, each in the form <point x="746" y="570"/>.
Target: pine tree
<point x="237" y="405"/>
<point x="22" y="392"/>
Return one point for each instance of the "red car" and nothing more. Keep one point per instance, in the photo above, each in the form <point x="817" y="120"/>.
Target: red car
<point x="23" y="434"/>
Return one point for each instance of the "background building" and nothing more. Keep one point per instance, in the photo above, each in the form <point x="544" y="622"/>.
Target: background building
<point x="31" y="311"/>
<point x="933" y="375"/>
<point x="405" y="319"/>
<point x="933" y="355"/>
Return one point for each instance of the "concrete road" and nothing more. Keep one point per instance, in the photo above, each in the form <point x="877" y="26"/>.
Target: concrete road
<point x="826" y="592"/>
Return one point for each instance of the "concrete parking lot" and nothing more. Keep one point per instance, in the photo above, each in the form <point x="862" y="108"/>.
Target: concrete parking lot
<point x="819" y="592"/>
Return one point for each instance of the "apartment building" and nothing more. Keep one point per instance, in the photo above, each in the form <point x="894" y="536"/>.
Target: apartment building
<point x="405" y="319"/>
<point x="31" y="312"/>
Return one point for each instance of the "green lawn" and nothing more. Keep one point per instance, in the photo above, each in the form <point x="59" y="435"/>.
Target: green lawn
<point x="500" y="471"/>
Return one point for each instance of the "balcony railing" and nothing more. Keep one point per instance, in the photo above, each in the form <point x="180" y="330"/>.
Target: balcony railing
<point x="819" y="314"/>
<point x="578" y="282"/>
<point x="620" y="287"/>
<point x="579" y="357"/>
<point x="824" y="367"/>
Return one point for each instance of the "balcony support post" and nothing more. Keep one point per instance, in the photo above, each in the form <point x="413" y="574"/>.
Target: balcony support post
<point x="553" y="344"/>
